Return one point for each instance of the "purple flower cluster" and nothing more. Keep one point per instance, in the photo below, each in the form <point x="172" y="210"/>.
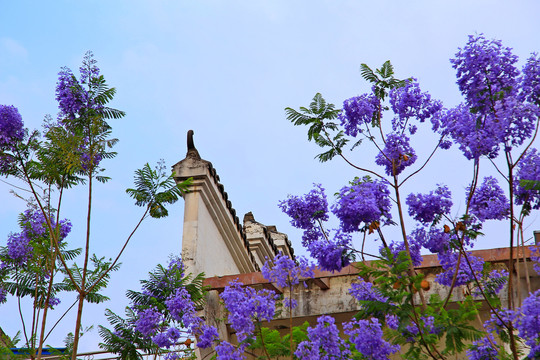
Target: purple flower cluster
<point x="488" y="201"/>
<point x="367" y="336"/>
<point x="529" y="323"/>
<point x="364" y="291"/>
<point x="396" y="155"/>
<point x="19" y="248"/>
<point x="392" y="321"/>
<point x="53" y="301"/>
<point x="492" y="283"/>
<point x="226" y="351"/>
<point x="464" y="275"/>
<point x="324" y="342"/>
<point x="409" y="102"/>
<point x="3" y="295"/>
<point x="435" y="240"/>
<point x="485" y="71"/>
<point x="69" y="93"/>
<point x="414" y="249"/>
<point x="483" y="349"/>
<point x="72" y="97"/>
<point x="33" y="229"/>
<point x="182" y="308"/>
<point x="494" y="114"/>
<point x="358" y="111"/>
<point x="332" y="254"/>
<point x="305" y="211"/>
<point x="245" y="305"/>
<point x="148" y="321"/>
<point x="494" y="323"/>
<point x="426" y="207"/>
<point x="208" y="334"/>
<point x="11" y="127"/>
<point x="364" y="202"/>
<point x="535" y="257"/>
<point x="285" y="272"/>
<point x="530" y="88"/>
<point x="528" y="169"/>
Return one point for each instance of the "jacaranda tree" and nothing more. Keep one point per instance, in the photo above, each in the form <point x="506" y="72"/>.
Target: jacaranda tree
<point x="494" y="127"/>
<point x="70" y="152"/>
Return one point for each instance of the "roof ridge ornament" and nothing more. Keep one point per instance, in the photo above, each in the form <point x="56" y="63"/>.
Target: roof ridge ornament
<point x="191" y="150"/>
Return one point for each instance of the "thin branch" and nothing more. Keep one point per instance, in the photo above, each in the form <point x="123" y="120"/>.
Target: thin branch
<point x="120" y="253"/>
<point x="425" y="163"/>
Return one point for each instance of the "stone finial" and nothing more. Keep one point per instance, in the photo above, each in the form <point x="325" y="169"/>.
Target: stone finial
<point x="249" y="217"/>
<point x="191" y="150"/>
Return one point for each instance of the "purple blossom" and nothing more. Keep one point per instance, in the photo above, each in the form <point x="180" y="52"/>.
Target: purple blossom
<point x="332" y="254"/>
<point x="358" y="111"/>
<point x="528" y="169"/>
<point x="3" y="295"/>
<point x="53" y="301"/>
<point x="392" y="321"/>
<point x="426" y="207"/>
<point x="173" y="356"/>
<point x="529" y="323"/>
<point x="69" y="93"/>
<point x="494" y="323"/>
<point x="307" y="210"/>
<point x="367" y="336"/>
<point x="34" y="229"/>
<point x="245" y="305"/>
<point x="365" y="201"/>
<point x="284" y="271"/>
<point x="396" y="155"/>
<point x="148" y="321"/>
<point x="11" y="127"/>
<point x="464" y="275"/>
<point x="323" y="342"/>
<point x="492" y="283"/>
<point x="494" y="114"/>
<point x="485" y="71"/>
<point x="208" y="335"/>
<point x="535" y="257"/>
<point x="162" y="340"/>
<point x="176" y="264"/>
<point x="435" y="240"/>
<point x="414" y="249"/>
<point x="226" y="351"/>
<point x="488" y="201"/>
<point x="173" y="334"/>
<point x="429" y="325"/>
<point x="74" y="99"/>
<point x="19" y="249"/>
<point x="483" y="349"/>
<point x="408" y="102"/>
<point x="475" y="137"/>
<point x="530" y="88"/>
<point x="364" y="291"/>
<point x="182" y="308"/>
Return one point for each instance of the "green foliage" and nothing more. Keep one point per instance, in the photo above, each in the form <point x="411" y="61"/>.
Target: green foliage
<point x="320" y="118"/>
<point x="382" y="79"/>
<point x="124" y="341"/>
<point x="96" y="278"/>
<point x="276" y="345"/>
<point x="154" y="189"/>
<point x="161" y="284"/>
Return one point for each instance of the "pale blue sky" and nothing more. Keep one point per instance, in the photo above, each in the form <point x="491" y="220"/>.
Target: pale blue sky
<point x="227" y="69"/>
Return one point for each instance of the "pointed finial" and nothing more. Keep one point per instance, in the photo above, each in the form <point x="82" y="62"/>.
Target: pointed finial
<point x="191" y="150"/>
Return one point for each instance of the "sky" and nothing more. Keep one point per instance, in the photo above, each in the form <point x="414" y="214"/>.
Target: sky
<point x="227" y="70"/>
